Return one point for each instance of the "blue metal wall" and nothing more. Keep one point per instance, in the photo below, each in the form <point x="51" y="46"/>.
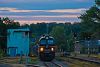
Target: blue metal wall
<point x="18" y="38"/>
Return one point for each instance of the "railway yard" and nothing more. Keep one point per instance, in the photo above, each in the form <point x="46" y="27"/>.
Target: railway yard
<point x="57" y="62"/>
<point x="34" y="62"/>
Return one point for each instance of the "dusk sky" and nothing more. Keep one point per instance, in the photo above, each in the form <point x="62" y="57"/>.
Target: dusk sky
<point x="33" y="11"/>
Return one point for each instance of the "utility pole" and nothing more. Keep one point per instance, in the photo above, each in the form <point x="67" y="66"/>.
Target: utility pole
<point x="88" y="46"/>
<point x="75" y="47"/>
<point x="47" y="30"/>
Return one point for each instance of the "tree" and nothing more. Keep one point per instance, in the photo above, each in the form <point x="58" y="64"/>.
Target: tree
<point x="90" y="20"/>
<point x="97" y="2"/>
<point x="6" y="23"/>
<point x="59" y="34"/>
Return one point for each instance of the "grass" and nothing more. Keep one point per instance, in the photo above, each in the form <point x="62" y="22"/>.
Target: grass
<point x="78" y="63"/>
<point x="91" y="55"/>
<point x="30" y="60"/>
<point x="34" y="60"/>
<point x="6" y="60"/>
<point x="96" y="56"/>
<point x="1" y="53"/>
<point x="17" y="60"/>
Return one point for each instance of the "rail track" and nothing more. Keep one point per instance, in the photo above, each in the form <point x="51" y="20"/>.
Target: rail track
<point x="51" y="64"/>
<point x="93" y="60"/>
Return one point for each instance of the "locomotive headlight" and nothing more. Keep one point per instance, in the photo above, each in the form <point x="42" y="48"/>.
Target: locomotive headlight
<point x="41" y="49"/>
<point x="52" y="49"/>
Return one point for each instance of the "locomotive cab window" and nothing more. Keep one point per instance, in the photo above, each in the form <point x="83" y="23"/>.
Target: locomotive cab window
<point x="43" y="42"/>
<point x="50" y="42"/>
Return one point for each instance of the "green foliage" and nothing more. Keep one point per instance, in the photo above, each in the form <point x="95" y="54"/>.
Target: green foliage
<point x="97" y="2"/>
<point x="38" y="29"/>
<point x="59" y="35"/>
<point x="85" y="35"/>
<point x="91" y="15"/>
<point x="6" y="23"/>
<point x="90" y="22"/>
<point x="63" y="41"/>
<point x="1" y="53"/>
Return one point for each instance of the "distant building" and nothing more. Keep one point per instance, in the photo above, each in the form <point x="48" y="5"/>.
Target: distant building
<point x="17" y="42"/>
<point x="78" y="47"/>
<point x="91" y="47"/>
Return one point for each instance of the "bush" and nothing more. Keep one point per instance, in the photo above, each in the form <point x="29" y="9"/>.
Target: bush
<point x="1" y="53"/>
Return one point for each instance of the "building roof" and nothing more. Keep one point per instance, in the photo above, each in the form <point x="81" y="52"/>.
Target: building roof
<point x="18" y="30"/>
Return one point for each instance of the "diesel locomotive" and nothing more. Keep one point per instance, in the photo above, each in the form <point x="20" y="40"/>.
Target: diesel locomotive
<point x="46" y="48"/>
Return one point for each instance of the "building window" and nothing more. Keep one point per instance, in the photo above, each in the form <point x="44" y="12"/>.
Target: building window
<point x="26" y="33"/>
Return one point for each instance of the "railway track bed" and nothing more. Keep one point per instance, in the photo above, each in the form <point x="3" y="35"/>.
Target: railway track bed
<point x="55" y="63"/>
<point x="86" y="59"/>
<point x="74" y="62"/>
<point x="52" y="64"/>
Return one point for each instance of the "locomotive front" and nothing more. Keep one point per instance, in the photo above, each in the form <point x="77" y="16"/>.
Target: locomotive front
<point x="46" y="48"/>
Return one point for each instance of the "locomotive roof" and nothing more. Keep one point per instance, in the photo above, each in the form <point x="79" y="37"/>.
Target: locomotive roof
<point x="45" y="37"/>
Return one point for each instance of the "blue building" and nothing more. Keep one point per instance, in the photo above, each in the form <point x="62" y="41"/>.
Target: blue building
<point x="91" y="46"/>
<point x="17" y="42"/>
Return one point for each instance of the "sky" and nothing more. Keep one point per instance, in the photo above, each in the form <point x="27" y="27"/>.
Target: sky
<point x="33" y="11"/>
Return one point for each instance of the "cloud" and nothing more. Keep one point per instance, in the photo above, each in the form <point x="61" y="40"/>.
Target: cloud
<point x="30" y="1"/>
<point x="41" y="15"/>
<point x="35" y="19"/>
<point x="60" y="16"/>
<point x="69" y="10"/>
<point x="16" y="10"/>
<point x="81" y="0"/>
<point x="6" y="1"/>
<point x="47" y="4"/>
<point x="56" y="10"/>
<point x="26" y="1"/>
<point x="7" y="8"/>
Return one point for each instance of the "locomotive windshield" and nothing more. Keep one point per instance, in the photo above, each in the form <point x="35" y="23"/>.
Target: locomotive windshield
<point x="50" y="42"/>
<point x="46" y="41"/>
<point x="43" y="41"/>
